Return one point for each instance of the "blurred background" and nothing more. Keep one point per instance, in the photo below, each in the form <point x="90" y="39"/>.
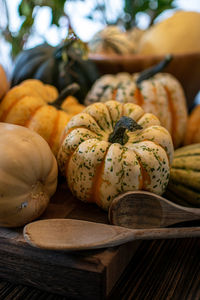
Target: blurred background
<point x="25" y="24"/>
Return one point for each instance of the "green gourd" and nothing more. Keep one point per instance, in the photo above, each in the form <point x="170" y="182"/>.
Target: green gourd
<point x="58" y="66"/>
<point x="184" y="183"/>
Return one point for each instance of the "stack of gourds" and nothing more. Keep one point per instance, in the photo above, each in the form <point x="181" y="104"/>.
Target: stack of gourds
<point x="162" y="95"/>
<point x="108" y="147"/>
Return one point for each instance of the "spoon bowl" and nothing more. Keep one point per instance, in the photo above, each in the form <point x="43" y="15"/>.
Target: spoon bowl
<point x="141" y="209"/>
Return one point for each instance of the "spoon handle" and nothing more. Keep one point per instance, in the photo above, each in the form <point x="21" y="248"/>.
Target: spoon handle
<point x="154" y="234"/>
<point x="166" y="233"/>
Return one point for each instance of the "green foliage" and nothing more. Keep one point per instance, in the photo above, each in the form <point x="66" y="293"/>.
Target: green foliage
<point x="151" y="7"/>
<point x="28" y="10"/>
<point x="127" y="17"/>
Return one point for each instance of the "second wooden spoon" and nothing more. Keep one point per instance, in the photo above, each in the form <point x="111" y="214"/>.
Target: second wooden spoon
<point x="141" y="209"/>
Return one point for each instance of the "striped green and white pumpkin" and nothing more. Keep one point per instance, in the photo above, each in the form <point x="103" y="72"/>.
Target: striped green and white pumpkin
<point x="111" y="148"/>
<point x="184" y="183"/>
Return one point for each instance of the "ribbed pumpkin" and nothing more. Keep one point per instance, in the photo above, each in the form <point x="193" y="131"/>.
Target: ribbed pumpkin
<point x="27" y="105"/>
<point x="192" y="135"/>
<point x="160" y="94"/>
<point x="112" y="40"/>
<point x="184" y="184"/>
<point x="4" y="84"/>
<point x="111" y="148"/>
<point x="28" y="175"/>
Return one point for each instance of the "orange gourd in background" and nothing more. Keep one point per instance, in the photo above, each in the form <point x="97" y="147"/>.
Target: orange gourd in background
<point x="28" y="104"/>
<point x="192" y="135"/>
<point x="4" y="84"/>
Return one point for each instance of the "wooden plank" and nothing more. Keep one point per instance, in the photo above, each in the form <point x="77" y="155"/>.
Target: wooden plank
<point x="83" y="274"/>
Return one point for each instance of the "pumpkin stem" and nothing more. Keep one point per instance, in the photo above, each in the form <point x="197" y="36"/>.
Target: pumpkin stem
<point x="148" y="73"/>
<point x="119" y="134"/>
<point x="69" y="90"/>
<point x="66" y="44"/>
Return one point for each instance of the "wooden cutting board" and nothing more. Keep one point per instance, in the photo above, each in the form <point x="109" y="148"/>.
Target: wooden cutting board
<point x="80" y="275"/>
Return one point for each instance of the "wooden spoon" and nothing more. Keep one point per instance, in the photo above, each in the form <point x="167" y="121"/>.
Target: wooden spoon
<point x="140" y="209"/>
<point x="132" y="209"/>
<point x="71" y="235"/>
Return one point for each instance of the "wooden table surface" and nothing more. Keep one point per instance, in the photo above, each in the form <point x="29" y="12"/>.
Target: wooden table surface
<point x="162" y="269"/>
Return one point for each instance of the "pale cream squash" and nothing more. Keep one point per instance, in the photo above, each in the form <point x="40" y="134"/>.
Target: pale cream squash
<point x="99" y="165"/>
<point x="28" y="175"/>
<point x="178" y="34"/>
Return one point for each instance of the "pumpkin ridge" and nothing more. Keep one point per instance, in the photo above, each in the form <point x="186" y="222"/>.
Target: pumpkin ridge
<point x="185" y="168"/>
<point x="142" y="177"/>
<point x="26" y="124"/>
<point x="162" y="148"/>
<point x="173" y="113"/>
<point x="75" y="127"/>
<point x="155" y="102"/>
<point x="184" y="194"/>
<point x="54" y="130"/>
<point x="157" y="144"/>
<point x="97" y="123"/>
<point x="187" y="155"/>
<point x="6" y="111"/>
<point x="114" y="93"/>
<point x="185" y="186"/>
<point x="97" y="180"/>
<point x="108" y="110"/>
<point x="120" y="181"/>
<point x="139" y="97"/>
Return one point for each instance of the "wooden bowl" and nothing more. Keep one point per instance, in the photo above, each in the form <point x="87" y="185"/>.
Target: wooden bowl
<point x="185" y="67"/>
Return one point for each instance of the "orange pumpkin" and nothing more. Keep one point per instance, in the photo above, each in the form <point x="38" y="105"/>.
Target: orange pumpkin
<point x="4" y="84"/>
<point x="27" y="105"/>
<point x="192" y="135"/>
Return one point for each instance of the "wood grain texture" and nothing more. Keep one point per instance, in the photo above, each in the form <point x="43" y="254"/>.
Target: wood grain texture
<point x="164" y="269"/>
<point x="137" y="270"/>
<point x="87" y="274"/>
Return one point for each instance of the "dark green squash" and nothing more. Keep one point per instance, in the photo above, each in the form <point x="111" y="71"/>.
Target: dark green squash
<point x="58" y="66"/>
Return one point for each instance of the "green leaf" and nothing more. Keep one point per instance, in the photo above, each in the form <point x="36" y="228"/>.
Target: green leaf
<point x="25" y="8"/>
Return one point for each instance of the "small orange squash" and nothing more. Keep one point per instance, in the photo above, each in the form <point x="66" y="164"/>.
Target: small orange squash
<point x="28" y="104"/>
